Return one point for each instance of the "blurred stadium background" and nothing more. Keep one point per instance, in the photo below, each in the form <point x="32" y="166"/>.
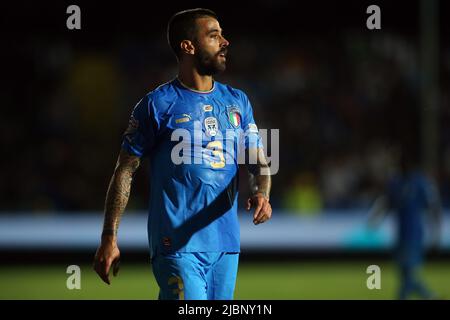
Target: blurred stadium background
<point x="343" y="97"/>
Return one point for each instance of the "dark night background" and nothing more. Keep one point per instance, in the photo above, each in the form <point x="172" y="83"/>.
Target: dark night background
<point x="341" y="94"/>
<point x="345" y="99"/>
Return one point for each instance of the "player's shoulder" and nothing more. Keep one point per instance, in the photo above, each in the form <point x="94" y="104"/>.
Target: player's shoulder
<point x="162" y="96"/>
<point x="226" y="89"/>
<point x="163" y="91"/>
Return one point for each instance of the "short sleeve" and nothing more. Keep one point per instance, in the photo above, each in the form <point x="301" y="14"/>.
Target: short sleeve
<point x="139" y="137"/>
<point x="251" y="132"/>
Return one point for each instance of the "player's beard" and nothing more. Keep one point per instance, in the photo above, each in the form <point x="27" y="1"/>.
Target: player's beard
<point x="210" y="64"/>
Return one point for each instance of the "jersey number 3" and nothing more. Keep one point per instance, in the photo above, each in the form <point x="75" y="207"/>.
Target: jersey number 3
<point x="216" y="148"/>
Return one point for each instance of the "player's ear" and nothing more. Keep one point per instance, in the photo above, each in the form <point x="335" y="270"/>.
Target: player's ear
<point x="187" y="47"/>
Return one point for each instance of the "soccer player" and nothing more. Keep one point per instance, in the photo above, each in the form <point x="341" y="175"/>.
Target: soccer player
<point x="408" y="193"/>
<point x="193" y="228"/>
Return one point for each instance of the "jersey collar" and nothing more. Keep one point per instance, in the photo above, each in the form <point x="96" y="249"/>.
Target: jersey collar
<point x="196" y="91"/>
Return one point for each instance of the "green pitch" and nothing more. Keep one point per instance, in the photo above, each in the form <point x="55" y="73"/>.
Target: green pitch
<point x="293" y="280"/>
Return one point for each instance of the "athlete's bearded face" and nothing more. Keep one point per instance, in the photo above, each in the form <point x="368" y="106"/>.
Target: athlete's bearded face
<point x="210" y="47"/>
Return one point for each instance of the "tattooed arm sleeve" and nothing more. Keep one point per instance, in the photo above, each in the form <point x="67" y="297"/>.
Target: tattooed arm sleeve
<point x="119" y="191"/>
<point x="259" y="173"/>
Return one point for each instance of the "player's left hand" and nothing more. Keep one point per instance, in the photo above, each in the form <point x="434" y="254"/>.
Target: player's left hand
<point x="263" y="209"/>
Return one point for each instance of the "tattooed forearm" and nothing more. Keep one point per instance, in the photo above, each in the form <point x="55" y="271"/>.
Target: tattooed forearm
<point x="260" y="184"/>
<point x="259" y="175"/>
<point x="119" y="192"/>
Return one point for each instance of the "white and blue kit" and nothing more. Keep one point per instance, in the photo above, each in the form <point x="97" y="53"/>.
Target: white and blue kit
<point x="193" y="228"/>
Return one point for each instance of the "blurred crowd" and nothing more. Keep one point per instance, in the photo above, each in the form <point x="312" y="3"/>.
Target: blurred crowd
<point x="342" y="104"/>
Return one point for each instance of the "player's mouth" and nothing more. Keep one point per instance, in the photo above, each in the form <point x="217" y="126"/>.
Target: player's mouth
<point x="223" y="54"/>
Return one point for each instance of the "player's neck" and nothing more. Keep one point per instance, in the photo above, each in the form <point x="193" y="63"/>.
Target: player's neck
<point x="193" y="80"/>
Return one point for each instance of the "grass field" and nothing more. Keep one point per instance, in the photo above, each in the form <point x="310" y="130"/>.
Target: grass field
<point x="256" y="280"/>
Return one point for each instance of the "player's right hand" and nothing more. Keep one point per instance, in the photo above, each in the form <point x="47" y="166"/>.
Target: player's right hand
<point x="107" y="256"/>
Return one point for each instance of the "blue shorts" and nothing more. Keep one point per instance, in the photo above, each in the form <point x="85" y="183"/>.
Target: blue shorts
<point x="196" y="275"/>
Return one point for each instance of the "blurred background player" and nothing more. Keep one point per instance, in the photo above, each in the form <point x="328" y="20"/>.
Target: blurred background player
<point x="408" y="193"/>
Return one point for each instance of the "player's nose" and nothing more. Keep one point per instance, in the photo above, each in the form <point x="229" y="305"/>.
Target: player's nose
<point x="225" y="43"/>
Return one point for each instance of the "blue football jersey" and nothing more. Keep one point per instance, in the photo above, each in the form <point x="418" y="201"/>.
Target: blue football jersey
<point x="193" y="141"/>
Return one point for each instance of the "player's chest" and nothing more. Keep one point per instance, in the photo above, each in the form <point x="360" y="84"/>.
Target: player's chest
<point x="211" y="116"/>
